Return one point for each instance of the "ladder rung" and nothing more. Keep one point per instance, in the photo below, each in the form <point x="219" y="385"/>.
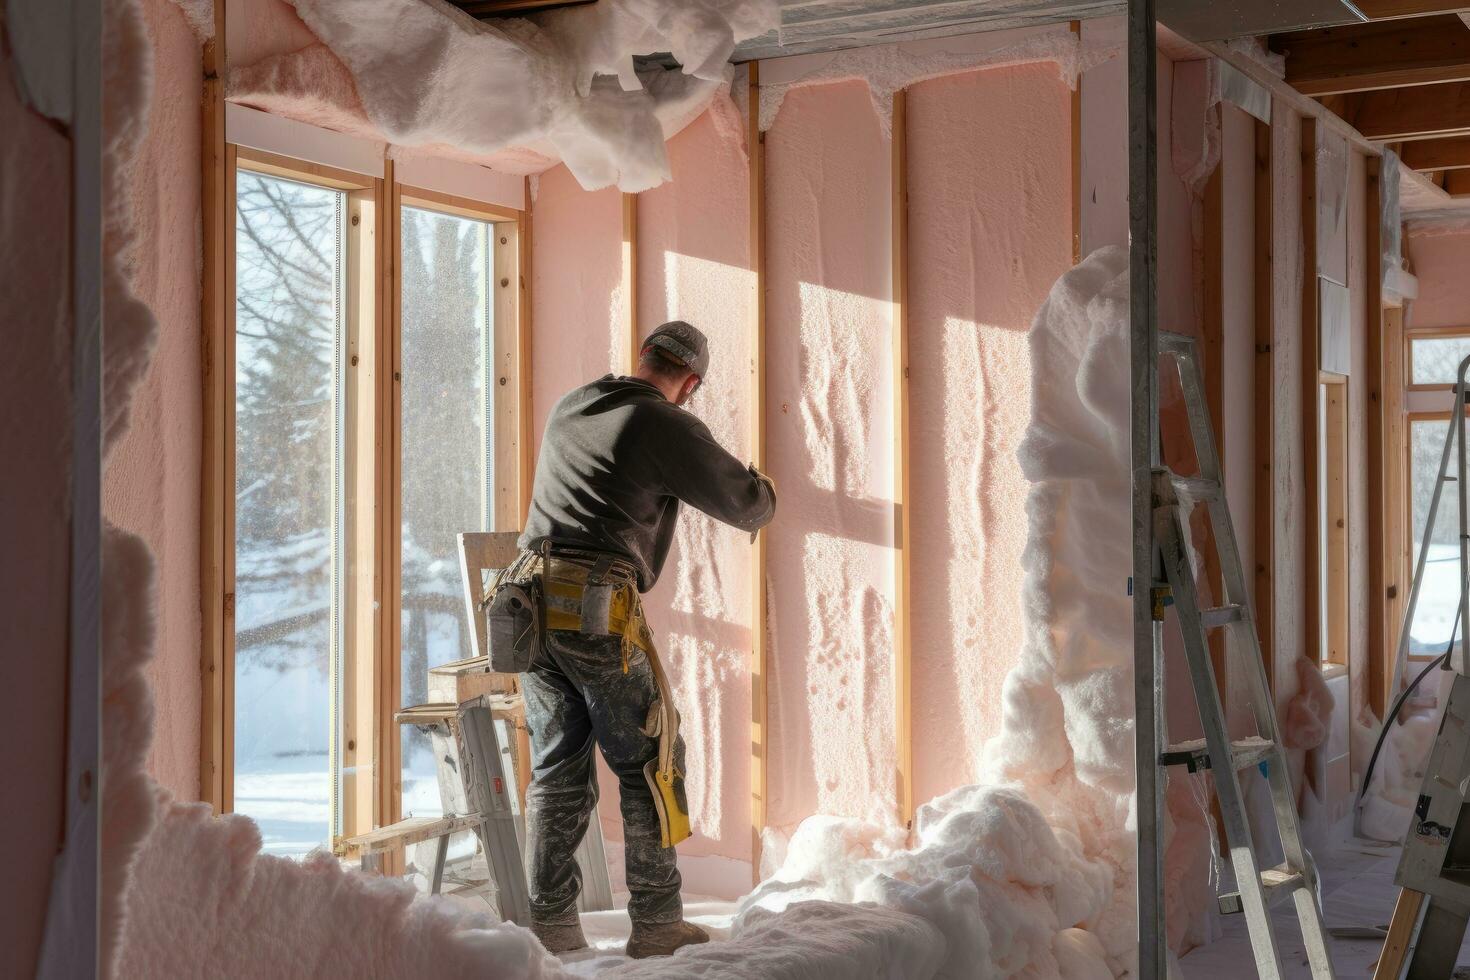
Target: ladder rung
<point x="1244" y="753"/>
<point x="1278" y="882"/>
<point x="1220" y="616"/>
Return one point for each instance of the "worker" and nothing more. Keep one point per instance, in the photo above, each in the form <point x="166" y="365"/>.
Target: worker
<point x="619" y="456"/>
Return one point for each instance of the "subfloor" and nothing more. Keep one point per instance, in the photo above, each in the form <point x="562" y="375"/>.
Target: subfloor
<point x="1357" y="891"/>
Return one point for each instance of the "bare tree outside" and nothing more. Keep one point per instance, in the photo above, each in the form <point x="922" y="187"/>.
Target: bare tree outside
<point x="289" y="470"/>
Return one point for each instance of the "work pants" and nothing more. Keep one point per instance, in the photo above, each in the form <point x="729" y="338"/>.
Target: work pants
<point x="576" y="696"/>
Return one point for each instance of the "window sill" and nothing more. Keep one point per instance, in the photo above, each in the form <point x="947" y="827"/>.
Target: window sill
<point x="1331" y="670"/>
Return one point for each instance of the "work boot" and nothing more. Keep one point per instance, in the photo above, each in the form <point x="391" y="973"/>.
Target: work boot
<point x="662" y="938"/>
<point x="560" y="939"/>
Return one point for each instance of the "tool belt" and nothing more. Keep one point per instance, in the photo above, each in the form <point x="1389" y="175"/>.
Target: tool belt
<point x="595" y="594"/>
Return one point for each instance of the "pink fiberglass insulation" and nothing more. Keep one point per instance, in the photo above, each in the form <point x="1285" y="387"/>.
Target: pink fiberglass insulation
<point x="576" y="294"/>
<point x="828" y="411"/>
<point x="207" y="901"/>
<point x="1440" y="259"/>
<point x="989" y="233"/>
<point x="561" y="82"/>
<point x="35" y="426"/>
<point x="1035" y="868"/>
<point x="694" y="264"/>
<point x="151" y="486"/>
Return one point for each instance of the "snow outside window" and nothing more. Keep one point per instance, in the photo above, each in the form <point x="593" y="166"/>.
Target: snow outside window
<point x="1439" y="596"/>
<point x="1434" y="359"/>
<point x="289" y="310"/>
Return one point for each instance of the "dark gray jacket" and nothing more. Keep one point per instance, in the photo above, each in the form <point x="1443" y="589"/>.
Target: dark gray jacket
<point x="617" y="459"/>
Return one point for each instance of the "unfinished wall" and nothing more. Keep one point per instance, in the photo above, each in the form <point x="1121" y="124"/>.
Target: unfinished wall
<point x="1289" y="534"/>
<point x="828" y="412"/>
<point x="35" y="437"/>
<point x="1440" y="258"/>
<point x="576" y="268"/>
<point x="693" y="264"/>
<point x="151" y="486"/>
<point x="990" y="231"/>
<point x="1237" y="438"/>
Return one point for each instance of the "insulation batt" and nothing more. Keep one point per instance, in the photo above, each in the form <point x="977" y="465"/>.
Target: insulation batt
<point x="1030" y="873"/>
<point x="561" y="83"/>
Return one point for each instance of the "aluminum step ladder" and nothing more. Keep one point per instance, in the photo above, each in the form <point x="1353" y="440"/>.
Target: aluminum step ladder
<point x="1174" y="498"/>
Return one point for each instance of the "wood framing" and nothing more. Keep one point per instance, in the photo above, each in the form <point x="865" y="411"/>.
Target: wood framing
<point x="1265" y="388"/>
<point x="1451" y="153"/>
<point x="1334" y="485"/>
<point x="759" y="732"/>
<point x="1212" y="341"/>
<point x="1386" y="54"/>
<point x="1076" y="101"/>
<point x="523" y="354"/>
<point x="630" y="283"/>
<point x="1380" y="642"/>
<point x="358" y="730"/>
<point x="216" y="482"/>
<point x="388" y="687"/>
<point x="1396" y="543"/>
<point x="1411" y="113"/>
<point x="508" y="378"/>
<point x="1310" y="368"/>
<point x="903" y="685"/>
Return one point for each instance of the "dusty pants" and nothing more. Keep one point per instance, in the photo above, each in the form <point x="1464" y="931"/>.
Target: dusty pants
<point x="576" y="696"/>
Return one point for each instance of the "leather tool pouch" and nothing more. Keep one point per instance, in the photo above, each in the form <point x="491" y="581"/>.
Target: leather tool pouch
<point x="513" y="621"/>
<point x="597" y="597"/>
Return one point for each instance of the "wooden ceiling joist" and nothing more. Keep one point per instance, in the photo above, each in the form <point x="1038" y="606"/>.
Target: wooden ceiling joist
<point x="1414" y="113"/>
<point x="1394" y="9"/>
<point x="1388" y="54"/>
<point x="1443" y="154"/>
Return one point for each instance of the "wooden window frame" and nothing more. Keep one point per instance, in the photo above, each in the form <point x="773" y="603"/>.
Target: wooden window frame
<point x="513" y="463"/>
<point x="372" y="438"/>
<point x="1425" y="333"/>
<point x="358" y="730"/>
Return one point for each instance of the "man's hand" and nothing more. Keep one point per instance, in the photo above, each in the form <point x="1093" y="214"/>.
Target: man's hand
<point x="770" y="484"/>
<point x="763" y="478"/>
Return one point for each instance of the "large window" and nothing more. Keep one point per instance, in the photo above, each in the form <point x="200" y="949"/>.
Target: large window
<point x="370" y="411"/>
<point x="290" y="304"/>
<point x="447" y="348"/>
<point x="1439" y="596"/>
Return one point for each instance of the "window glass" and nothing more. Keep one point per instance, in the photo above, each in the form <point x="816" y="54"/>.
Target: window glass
<point x="446" y="353"/>
<point x="289" y="240"/>
<point x="1439" y="596"/>
<point x="1436" y="360"/>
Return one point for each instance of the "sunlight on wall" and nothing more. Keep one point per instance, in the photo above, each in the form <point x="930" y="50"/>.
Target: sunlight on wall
<point x="985" y="393"/>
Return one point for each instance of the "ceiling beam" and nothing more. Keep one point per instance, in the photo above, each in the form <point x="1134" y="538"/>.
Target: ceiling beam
<point x="1415" y="113"/>
<point x="1394" y="9"/>
<point x="1443" y="154"/>
<point x="1385" y="54"/>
